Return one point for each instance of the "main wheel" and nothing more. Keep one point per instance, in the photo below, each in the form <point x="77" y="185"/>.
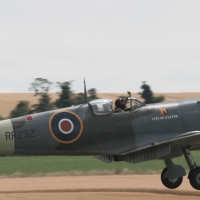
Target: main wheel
<point x="195" y="178"/>
<point x="170" y="183"/>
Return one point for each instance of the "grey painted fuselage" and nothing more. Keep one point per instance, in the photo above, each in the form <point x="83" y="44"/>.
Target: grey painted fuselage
<point x="107" y="134"/>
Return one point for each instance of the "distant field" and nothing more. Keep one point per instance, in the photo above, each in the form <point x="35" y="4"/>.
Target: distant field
<point x="8" y="101"/>
<point x="77" y="165"/>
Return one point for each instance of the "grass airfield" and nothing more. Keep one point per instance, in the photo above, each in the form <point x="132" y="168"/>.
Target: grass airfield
<point x="21" y="166"/>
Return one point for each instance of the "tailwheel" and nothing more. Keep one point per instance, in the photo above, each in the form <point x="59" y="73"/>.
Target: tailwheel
<point x="195" y="178"/>
<point x="170" y="183"/>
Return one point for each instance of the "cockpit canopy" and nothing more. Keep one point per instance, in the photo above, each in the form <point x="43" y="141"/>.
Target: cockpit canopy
<point x="101" y="106"/>
<point x="104" y="106"/>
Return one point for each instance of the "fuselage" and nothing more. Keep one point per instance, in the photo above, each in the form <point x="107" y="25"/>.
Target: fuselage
<point x="77" y="131"/>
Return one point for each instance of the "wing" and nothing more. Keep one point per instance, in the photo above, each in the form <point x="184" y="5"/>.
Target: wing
<point x="189" y="139"/>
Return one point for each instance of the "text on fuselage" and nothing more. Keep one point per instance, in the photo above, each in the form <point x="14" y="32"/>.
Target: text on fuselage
<point x="164" y="117"/>
<point x="22" y="134"/>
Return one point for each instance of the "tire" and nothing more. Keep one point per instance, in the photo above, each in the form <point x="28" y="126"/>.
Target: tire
<point x="169" y="182"/>
<point x="195" y="178"/>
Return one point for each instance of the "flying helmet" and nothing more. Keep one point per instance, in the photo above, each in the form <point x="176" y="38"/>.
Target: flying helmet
<point x="120" y="103"/>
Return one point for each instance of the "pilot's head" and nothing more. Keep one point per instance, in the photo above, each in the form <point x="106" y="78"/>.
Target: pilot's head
<point x="120" y="103"/>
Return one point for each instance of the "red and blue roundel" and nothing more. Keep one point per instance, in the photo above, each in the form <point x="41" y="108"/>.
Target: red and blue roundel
<point x="65" y="126"/>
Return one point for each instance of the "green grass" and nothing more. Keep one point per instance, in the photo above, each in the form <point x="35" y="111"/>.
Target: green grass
<point x="41" y="165"/>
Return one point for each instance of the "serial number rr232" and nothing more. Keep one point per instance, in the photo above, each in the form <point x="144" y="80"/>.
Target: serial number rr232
<point x="19" y="134"/>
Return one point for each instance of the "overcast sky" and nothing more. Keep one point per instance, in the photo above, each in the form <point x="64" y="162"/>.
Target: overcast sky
<point x="114" y="44"/>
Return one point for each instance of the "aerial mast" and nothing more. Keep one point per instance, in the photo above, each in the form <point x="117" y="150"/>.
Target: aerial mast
<point x="85" y="92"/>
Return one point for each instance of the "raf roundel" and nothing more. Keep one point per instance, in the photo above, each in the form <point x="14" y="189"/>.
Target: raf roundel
<point x="65" y="127"/>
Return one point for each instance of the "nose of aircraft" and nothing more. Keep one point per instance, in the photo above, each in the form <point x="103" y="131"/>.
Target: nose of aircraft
<point x="6" y="143"/>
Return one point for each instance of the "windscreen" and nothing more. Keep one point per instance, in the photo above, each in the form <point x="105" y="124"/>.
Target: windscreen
<point x="133" y="103"/>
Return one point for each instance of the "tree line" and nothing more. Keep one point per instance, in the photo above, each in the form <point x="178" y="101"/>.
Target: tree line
<point x="66" y="97"/>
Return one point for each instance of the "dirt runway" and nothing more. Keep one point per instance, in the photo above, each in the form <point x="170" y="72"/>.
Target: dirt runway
<point x="108" y="187"/>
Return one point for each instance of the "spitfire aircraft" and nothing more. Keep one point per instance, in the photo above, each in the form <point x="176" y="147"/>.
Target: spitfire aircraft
<point x="140" y="133"/>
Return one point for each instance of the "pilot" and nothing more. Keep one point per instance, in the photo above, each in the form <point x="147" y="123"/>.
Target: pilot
<point x="119" y="105"/>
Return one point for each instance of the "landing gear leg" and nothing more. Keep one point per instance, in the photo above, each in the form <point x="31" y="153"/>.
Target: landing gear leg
<point x="194" y="174"/>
